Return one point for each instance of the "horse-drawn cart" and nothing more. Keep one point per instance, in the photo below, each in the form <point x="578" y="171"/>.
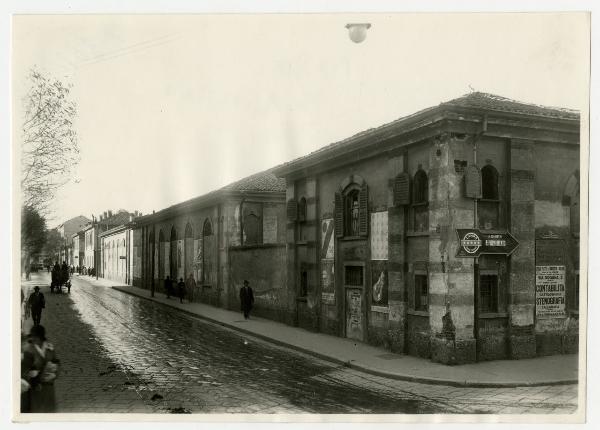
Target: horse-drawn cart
<point x="60" y="279"/>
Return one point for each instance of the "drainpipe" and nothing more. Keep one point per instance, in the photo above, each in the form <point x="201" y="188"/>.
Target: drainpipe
<point x="476" y="262"/>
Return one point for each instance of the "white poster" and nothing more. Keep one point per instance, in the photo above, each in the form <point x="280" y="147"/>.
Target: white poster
<point x="379" y="236"/>
<point x="549" y="291"/>
<point x="327" y="239"/>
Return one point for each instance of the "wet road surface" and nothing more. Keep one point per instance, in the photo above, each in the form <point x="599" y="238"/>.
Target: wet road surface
<point x="120" y="353"/>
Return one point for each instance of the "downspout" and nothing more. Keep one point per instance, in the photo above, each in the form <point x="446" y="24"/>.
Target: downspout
<point x="476" y="262"/>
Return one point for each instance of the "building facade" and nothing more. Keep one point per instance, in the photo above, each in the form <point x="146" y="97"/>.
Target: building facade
<point x="115" y="246"/>
<point x="380" y="244"/>
<point x="78" y="248"/>
<point x="66" y="231"/>
<point x="222" y="238"/>
<point x="92" y="256"/>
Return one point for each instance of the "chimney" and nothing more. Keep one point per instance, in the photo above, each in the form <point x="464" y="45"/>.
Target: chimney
<point x="109" y="213"/>
<point x="105" y="214"/>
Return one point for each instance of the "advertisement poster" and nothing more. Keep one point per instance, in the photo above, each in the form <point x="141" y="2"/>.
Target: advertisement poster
<point x="379" y="289"/>
<point x="327" y="282"/>
<point x="379" y="236"/>
<point x="549" y="291"/>
<point x="327" y="238"/>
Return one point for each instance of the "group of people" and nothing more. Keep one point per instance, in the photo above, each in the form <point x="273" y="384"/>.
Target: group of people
<point x="184" y="288"/>
<point x="39" y="363"/>
<point x="187" y="288"/>
<point x="60" y="277"/>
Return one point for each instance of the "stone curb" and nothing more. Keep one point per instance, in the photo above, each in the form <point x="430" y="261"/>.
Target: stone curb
<point x="362" y="368"/>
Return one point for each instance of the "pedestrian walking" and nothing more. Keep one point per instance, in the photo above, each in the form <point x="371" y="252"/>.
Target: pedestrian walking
<point x="168" y="287"/>
<point x="35" y="303"/>
<point x="181" y="290"/>
<point x="190" y="286"/>
<point x="39" y="367"/>
<point x="55" y="282"/>
<point x="246" y="299"/>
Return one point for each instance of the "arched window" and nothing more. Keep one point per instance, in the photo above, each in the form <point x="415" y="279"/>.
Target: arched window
<point x="208" y="275"/>
<point x="207" y="228"/>
<point x="161" y="255"/>
<point x="173" y="263"/>
<point x="420" y="188"/>
<point x="488" y="207"/>
<point x="420" y="202"/>
<point x="489" y="183"/>
<point x="351" y="212"/>
<point x="302" y="219"/>
<point x="302" y="210"/>
<point x="188" y="250"/>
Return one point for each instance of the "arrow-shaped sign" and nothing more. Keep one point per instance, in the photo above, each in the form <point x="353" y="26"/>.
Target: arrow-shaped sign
<point x="473" y="243"/>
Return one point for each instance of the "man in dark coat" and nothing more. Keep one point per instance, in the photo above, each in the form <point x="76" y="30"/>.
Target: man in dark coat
<point x="246" y="299"/>
<point x="181" y="290"/>
<point x="36" y="302"/>
<point x="168" y="287"/>
<point x="55" y="277"/>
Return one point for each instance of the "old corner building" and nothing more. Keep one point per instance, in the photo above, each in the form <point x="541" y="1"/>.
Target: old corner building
<point x="374" y="224"/>
<point x="450" y="234"/>
<point x="222" y="238"/>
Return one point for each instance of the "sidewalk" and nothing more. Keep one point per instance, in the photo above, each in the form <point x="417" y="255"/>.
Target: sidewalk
<point x="553" y="370"/>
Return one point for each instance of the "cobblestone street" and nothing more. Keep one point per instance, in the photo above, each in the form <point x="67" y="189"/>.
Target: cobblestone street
<point x="120" y="353"/>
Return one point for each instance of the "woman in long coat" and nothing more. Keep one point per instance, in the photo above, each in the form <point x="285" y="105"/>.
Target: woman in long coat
<point x="39" y="367"/>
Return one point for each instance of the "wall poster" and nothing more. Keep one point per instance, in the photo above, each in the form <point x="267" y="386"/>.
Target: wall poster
<point x="379" y="286"/>
<point x="327" y="239"/>
<point x="327" y="282"/>
<point x="549" y="291"/>
<point x="379" y="236"/>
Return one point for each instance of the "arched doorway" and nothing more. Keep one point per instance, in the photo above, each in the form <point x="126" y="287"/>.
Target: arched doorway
<point x="161" y="255"/>
<point x="173" y="260"/>
<point x="188" y="250"/>
<point x="208" y="254"/>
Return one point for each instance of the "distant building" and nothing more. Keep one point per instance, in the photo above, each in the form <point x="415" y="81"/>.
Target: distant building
<point x="66" y="231"/>
<point x="105" y="221"/>
<point x="115" y="250"/>
<point x="78" y="248"/>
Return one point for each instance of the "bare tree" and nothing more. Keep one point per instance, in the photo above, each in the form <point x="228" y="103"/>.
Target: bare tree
<point x="50" y="149"/>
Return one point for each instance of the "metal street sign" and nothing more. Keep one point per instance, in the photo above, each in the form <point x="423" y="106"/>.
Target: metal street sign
<point x="473" y="243"/>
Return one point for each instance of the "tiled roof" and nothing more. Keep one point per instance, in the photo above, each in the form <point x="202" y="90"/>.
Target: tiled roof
<point x="475" y="100"/>
<point x="488" y="101"/>
<point x="263" y="181"/>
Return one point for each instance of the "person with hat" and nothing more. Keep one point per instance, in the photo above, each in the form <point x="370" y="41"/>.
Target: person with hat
<point x="39" y="367"/>
<point x="35" y="303"/>
<point x="246" y="299"/>
<point x="181" y="290"/>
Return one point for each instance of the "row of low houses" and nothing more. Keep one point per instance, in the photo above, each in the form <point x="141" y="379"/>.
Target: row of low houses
<point x="99" y="244"/>
<point x="452" y="234"/>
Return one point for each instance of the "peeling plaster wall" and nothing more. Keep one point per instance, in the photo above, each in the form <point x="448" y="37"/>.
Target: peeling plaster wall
<point x="554" y="166"/>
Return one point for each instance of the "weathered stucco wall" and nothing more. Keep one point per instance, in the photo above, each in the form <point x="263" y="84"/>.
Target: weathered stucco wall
<point x="264" y="267"/>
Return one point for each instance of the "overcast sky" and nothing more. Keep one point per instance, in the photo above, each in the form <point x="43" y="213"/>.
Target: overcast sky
<point x="171" y="107"/>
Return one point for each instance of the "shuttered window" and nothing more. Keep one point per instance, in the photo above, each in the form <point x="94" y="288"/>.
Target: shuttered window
<point x="339" y="215"/>
<point x="363" y="211"/>
<point x="292" y="210"/>
<point x="402" y="189"/>
<point x="420" y="202"/>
